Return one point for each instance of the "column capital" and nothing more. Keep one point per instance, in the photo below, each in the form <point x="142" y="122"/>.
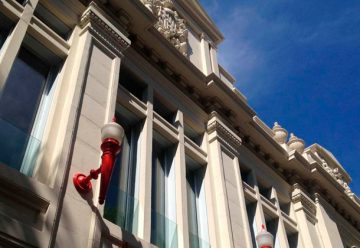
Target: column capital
<point x="222" y="132"/>
<point x="96" y="21"/>
<point x="303" y="202"/>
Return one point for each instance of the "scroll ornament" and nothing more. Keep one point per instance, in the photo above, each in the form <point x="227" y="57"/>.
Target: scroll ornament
<point x="169" y="24"/>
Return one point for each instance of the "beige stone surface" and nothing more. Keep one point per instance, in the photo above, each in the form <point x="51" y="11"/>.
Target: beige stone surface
<point x="323" y="211"/>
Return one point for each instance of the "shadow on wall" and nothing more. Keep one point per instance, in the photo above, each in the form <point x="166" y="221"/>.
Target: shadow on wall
<point x="108" y="240"/>
<point x="26" y="213"/>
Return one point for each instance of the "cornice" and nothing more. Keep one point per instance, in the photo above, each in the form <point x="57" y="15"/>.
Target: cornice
<point x="289" y="164"/>
<point x="227" y="136"/>
<point x="197" y="12"/>
<point x="309" y="206"/>
<point x="213" y="80"/>
<point x="96" y="22"/>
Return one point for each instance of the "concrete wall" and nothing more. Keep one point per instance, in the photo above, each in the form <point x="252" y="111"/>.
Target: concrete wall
<point x="47" y="211"/>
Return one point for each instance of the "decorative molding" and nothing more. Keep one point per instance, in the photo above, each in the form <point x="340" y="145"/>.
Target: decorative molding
<point x="23" y="196"/>
<point x="169" y="23"/>
<point x="98" y="26"/>
<point x="225" y="133"/>
<point x="298" y="196"/>
<point x="211" y="103"/>
<point x="316" y="154"/>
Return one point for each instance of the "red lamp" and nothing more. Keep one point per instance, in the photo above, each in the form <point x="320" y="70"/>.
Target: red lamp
<point x="264" y="239"/>
<point x="111" y="136"/>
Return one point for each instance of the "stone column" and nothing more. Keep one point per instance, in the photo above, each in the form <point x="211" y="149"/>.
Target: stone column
<point x="305" y="213"/>
<point x="284" y="243"/>
<point x="219" y="137"/>
<point x="181" y="192"/>
<point x="327" y="226"/>
<point x="205" y="58"/>
<point x="99" y="49"/>
<point x="144" y="219"/>
<point x="13" y="43"/>
<point x="243" y="216"/>
<point x="259" y="212"/>
<point x="214" y="60"/>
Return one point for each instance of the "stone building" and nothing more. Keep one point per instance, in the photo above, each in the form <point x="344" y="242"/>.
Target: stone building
<point x="198" y="167"/>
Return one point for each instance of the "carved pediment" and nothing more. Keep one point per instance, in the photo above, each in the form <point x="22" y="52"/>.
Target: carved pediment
<point x="330" y="164"/>
<point x="169" y="24"/>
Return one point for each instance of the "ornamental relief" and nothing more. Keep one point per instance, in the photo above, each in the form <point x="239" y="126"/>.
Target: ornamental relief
<point x="335" y="173"/>
<point x="169" y="24"/>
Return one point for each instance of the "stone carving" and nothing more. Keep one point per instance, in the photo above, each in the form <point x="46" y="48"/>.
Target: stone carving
<point x="169" y="24"/>
<point x="280" y="133"/>
<point x="299" y="196"/>
<point x="337" y="176"/>
<point x="295" y="143"/>
<point x="228" y="137"/>
<point x="98" y="27"/>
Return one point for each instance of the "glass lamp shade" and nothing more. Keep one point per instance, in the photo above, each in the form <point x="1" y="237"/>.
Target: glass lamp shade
<point x="112" y="130"/>
<point x="264" y="238"/>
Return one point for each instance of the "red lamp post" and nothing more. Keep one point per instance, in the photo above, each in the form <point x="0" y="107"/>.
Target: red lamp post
<point x="111" y="136"/>
<point x="264" y="239"/>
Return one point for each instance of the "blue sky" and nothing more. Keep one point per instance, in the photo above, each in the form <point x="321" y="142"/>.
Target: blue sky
<point x="298" y="63"/>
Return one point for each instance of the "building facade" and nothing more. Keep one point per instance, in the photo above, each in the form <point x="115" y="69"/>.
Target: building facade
<point x="198" y="167"/>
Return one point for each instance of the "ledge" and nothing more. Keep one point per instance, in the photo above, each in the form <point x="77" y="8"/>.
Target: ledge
<point x="23" y="196"/>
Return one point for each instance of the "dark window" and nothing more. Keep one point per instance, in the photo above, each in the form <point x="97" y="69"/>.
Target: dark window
<point x="266" y="191"/>
<point x="29" y="80"/>
<point x="292" y="239"/>
<point x="272" y="227"/>
<point x="22" y="2"/>
<point x="121" y="205"/>
<point x="196" y="204"/>
<point x="285" y="207"/>
<point x="18" y="105"/>
<point x="132" y="83"/>
<point x="164" y="109"/>
<point x="251" y="211"/>
<point x="52" y="21"/>
<point x="163" y="200"/>
<point x="5" y="28"/>
<point x="192" y="134"/>
<point x="246" y="176"/>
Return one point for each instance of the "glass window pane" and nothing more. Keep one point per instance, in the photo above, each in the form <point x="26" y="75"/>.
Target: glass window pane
<point x="22" y="92"/>
<point x="5" y="27"/>
<point x="197" y="212"/>
<point x="121" y="205"/>
<point x="19" y="102"/>
<point x="52" y="21"/>
<point x="163" y="194"/>
<point x="22" y="2"/>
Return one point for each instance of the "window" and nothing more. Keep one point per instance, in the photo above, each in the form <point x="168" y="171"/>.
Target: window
<point x="292" y="238"/>
<point x="121" y="205"/>
<point x="272" y="225"/>
<point x="197" y="211"/>
<point x="195" y="135"/>
<point x="52" y="21"/>
<point x="132" y="83"/>
<point x="24" y="104"/>
<point x="163" y="204"/>
<point x="266" y="191"/>
<point x="22" y="2"/>
<point x="164" y="109"/>
<point x="251" y="212"/>
<point x="247" y="175"/>
<point x="285" y="207"/>
<point x="5" y="28"/>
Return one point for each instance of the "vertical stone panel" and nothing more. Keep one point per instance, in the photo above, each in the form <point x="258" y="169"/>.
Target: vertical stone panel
<point x="236" y="219"/>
